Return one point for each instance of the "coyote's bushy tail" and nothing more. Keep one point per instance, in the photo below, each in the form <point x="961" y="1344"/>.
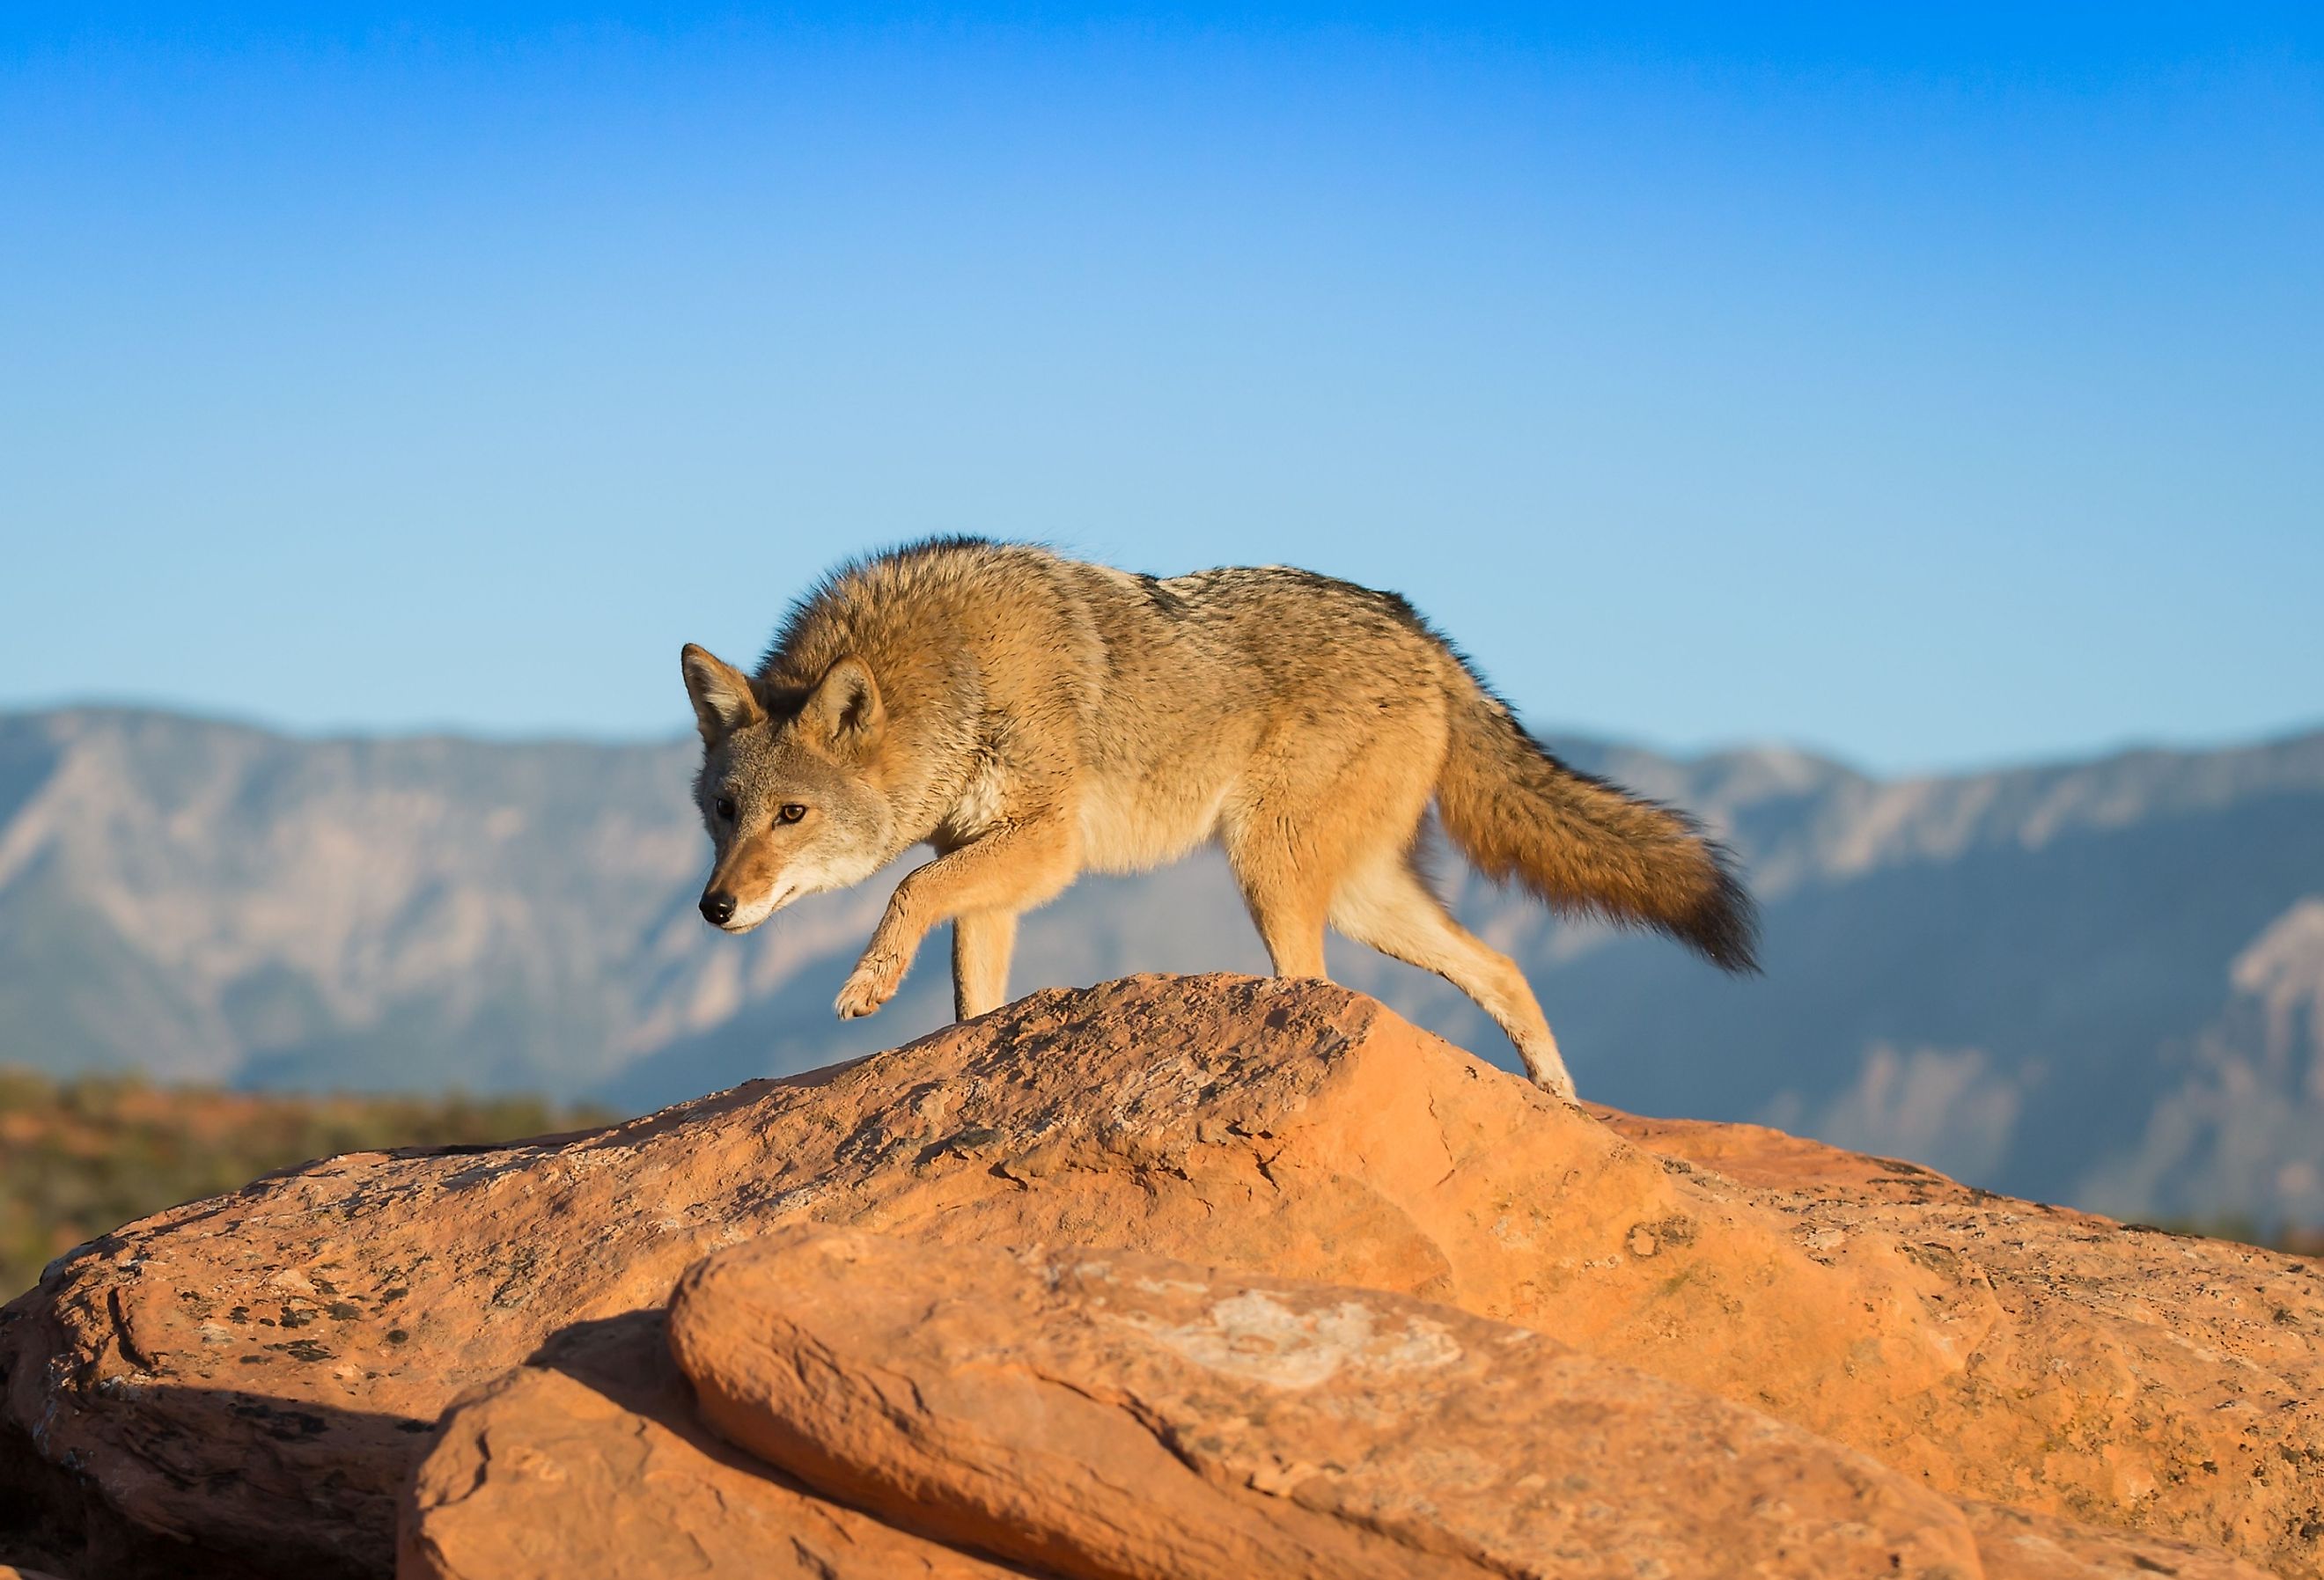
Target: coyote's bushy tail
<point x="1580" y="843"/>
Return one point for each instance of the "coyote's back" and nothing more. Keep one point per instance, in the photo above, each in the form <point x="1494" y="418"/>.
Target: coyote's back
<point x="1032" y="716"/>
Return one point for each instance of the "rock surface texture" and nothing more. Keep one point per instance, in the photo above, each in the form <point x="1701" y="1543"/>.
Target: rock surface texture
<point x="589" y="1464"/>
<point x="1121" y="1415"/>
<point x="258" y="1376"/>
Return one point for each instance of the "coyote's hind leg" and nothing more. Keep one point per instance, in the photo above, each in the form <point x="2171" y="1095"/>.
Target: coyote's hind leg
<point x="1315" y="803"/>
<point x="1286" y="904"/>
<point x="1390" y="907"/>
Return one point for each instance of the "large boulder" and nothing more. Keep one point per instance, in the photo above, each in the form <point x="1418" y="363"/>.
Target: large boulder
<point x="1123" y="1416"/>
<point x="256" y="1375"/>
<point x="588" y="1463"/>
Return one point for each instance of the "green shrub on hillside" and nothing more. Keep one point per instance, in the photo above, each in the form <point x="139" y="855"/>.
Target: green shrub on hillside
<point x="79" y="1158"/>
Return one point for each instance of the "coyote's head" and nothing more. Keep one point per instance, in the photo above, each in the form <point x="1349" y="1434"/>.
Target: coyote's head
<point x="785" y="787"/>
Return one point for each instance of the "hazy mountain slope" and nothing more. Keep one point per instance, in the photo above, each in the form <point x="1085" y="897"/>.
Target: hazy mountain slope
<point x="2241" y="1126"/>
<point x="399" y="913"/>
<point x="2095" y="981"/>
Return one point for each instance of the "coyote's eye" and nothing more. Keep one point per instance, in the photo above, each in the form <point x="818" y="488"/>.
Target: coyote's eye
<point x="724" y="807"/>
<point x="791" y="812"/>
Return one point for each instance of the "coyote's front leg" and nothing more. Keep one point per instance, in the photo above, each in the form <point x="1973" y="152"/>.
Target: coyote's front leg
<point x="1013" y="868"/>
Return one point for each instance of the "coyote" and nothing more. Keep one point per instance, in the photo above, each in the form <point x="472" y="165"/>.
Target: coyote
<point x="1032" y="718"/>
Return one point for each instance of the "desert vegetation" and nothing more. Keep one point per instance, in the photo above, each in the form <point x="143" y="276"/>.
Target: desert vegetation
<point x="83" y="1156"/>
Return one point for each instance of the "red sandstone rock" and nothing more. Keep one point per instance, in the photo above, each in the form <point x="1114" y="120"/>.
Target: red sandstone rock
<point x="589" y="1464"/>
<point x="2014" y="1544"/>
<point x="259" y="1372"/>
<point x="2173" y="1381"/>
<point x="1108" y="1414"/>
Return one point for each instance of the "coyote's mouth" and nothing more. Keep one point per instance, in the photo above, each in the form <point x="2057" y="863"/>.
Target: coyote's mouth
<point x="744" y="922"/>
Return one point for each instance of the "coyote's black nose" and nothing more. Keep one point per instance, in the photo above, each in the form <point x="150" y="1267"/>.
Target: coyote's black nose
<point x="718" y="909"/>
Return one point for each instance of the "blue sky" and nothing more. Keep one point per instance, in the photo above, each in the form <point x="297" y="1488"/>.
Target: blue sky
<point x="1934" y="392"/>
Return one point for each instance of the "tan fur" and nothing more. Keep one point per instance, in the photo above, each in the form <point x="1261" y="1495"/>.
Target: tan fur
<point x="1032" y="718"/>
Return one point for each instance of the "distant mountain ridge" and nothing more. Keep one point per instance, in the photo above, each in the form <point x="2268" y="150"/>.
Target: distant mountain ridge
<point x="2099" y="981"/>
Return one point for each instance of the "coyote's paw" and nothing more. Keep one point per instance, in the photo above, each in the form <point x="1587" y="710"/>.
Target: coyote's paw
<point x="1538" y="1050"/>
<point x="1557" y="1083"/>
<point x="873" y="981"/>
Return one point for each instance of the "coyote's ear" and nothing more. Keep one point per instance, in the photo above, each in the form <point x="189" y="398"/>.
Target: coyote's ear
<point x="844" y="711"/>
<point x="721" y="693"/>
